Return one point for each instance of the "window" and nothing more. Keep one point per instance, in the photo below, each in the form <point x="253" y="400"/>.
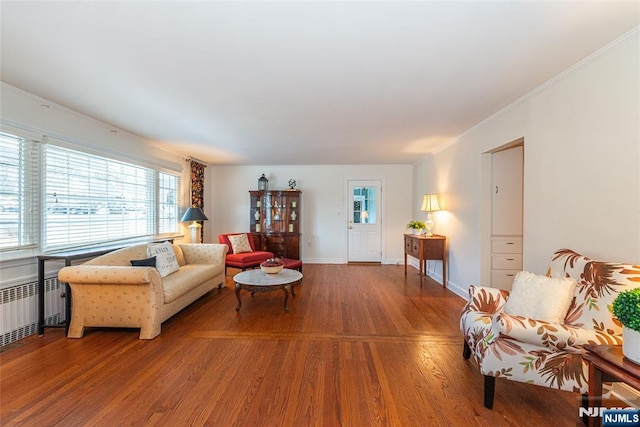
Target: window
<point x="168" y="190"/>
<point x="18" y="190"/>
<point x="364" y="205"/>
<point x="85" y="199"/>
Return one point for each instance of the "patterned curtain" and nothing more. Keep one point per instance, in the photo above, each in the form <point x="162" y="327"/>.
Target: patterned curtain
<point x="197" y="189"/>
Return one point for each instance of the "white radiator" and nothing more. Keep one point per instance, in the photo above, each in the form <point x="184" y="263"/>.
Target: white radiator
<point x="19" y="309"/>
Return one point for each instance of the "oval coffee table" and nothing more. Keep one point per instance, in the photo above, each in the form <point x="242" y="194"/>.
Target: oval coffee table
<point x="259" y="281"/>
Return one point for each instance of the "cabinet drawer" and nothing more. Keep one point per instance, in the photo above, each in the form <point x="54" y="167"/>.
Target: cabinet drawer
<point x="432" y="248"/>
<point x="506" y="262"/>
<point x="503" y="279"/>
<point x="415" y="248"/>
<point x="275" y="240"/>
<point x="412" y="247"/>
<point x="506" y="245"/>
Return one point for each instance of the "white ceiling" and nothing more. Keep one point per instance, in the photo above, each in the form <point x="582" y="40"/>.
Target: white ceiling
<point x="317" y="82"/>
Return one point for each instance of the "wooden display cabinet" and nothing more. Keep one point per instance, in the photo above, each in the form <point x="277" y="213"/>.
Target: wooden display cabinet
<point x="274" y="220"/>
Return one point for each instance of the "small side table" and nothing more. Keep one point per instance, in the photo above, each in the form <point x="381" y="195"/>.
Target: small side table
<point x="608" y="364"/>
<point x="426" y="248"/>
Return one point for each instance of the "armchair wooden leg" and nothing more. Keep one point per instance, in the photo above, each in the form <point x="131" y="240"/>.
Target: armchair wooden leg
<point x="466" y="350"/>
<point x="489" y="391"/>
<point x="585" y="404"/>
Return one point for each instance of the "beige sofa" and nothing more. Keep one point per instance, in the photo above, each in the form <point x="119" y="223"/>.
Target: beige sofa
<point x="108" y="292"/>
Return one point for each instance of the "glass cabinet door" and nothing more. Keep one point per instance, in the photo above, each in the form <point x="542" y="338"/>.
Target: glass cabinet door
<point x="268" y="213"/>
<point x="293" y="204"/>
<point x="255" y="212"/>
<point x="275" y="213"/>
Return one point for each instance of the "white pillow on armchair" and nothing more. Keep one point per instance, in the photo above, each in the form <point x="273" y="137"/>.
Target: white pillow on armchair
<point x="540" y="297"/>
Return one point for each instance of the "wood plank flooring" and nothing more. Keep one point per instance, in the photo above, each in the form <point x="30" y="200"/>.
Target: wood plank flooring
<point x="361" y="346"/>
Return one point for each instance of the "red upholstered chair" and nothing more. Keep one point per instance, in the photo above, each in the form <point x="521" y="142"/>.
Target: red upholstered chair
<point x="243" y="260"/>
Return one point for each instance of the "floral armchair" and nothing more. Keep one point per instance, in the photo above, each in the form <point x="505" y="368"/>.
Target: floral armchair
<point x="540" y="352"/>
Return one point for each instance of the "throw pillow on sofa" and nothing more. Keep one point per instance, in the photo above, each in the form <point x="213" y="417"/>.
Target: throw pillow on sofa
<point x="166" y="261"/>
<point x="147" y="262"/>
<point x="540" y="297"/>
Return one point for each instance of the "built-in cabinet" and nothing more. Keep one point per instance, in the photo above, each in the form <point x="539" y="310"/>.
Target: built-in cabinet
<point x="507" y="215"/>
<point x="274" y="220"/>
<point x="506" y="260"/>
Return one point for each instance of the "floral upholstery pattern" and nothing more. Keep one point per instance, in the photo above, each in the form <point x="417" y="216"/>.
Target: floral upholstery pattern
<point x="545" y="353"/>
<point x="108" y="292"/>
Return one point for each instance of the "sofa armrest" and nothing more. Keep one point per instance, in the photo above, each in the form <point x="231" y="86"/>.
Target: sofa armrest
<point x="478" y="322"/>
<point x="109" y="274"/>
<point x="487" y="300"/>
<point x="555" y="336"/>
<point x="114" y="296"/>
<point x="208" y="253"/>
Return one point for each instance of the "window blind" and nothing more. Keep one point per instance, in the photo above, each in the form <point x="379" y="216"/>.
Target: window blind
<point x="168" y="191"/>
<point x="91" y="199"/>
<point x="19" y="189"/>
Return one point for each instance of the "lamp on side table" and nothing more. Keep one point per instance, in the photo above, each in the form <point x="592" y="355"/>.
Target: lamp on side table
<point x="430" y="204"/>
<point x="194" y="215"/>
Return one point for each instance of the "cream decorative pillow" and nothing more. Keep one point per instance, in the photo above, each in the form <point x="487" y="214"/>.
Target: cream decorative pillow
<point x="240" y="243"/>
<point x="540" y="297"/>
<point x="166" y="261"/>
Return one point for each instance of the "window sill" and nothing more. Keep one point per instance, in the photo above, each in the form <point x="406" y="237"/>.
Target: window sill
<point x="23" y="257"/>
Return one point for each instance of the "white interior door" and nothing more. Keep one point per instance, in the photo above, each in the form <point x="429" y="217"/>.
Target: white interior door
<point x="364" y="219"/>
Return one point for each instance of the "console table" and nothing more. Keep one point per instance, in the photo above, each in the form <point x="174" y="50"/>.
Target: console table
<point x="68" y="257"/>
<point x="426" y="248"/>
<point x="607" y="363"/>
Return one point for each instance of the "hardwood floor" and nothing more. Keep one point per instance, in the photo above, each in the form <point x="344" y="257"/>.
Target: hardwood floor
<point x="361" y="346"/>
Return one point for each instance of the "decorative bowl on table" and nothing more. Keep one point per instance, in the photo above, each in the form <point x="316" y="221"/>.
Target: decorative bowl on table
<point x="272" y="266"/>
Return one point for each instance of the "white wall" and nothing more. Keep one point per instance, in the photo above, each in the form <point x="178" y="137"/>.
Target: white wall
<point x="582" y="181"/>
<point x="324" y="208"/>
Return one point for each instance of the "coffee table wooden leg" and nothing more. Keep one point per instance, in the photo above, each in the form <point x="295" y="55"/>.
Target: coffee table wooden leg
<point x="293" y="287"/>
<point x="286" y="289"/>
<point x="238" y="297"/>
